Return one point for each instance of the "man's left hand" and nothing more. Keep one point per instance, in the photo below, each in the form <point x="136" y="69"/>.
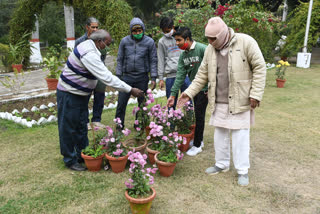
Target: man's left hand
<point x="254" y="103"/>
<point x="153" y="84"/>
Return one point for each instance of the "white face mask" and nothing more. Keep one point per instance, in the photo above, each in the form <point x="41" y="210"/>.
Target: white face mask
<point x="169" y="34"/>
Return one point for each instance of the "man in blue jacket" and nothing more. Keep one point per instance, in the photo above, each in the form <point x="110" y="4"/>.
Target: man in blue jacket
<point x="137" y="57"/>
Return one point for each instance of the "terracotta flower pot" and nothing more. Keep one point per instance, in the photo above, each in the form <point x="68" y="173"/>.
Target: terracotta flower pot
<point x="93" y="164"/>
<point x="151" y="154"/>
<point x="280" y="83"/>
<point x="18" y="67"/>
<point x="192" y="129"/>
<point x="166" y="169"/>
<point x="185" y="147"/>
<point x="141" y="205"/>
<point x="117" y="164"/>
<point x="52" y="83"/>
<point x="130" y="143"/>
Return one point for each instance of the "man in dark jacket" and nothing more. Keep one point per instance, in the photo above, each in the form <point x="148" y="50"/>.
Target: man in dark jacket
<point x="137" y="57"/>
<point x="92" y="25"/>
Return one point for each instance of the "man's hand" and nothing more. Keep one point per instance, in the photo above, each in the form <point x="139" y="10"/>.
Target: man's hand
<point x="254" y="103"/>
<point x="170" y="102"/>
<point x="182" y="100"/>
<point x="153" y="85"/>
<point x="161" y="84"/>
<point x="136" y="92"/>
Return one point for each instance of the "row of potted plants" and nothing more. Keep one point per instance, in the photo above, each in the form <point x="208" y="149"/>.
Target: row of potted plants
<point x="156" y="126"/>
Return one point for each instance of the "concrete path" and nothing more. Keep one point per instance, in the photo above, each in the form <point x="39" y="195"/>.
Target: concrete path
<point x="35" y="83"/>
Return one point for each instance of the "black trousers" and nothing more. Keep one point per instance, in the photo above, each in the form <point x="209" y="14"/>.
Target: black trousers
<point x="123" y="97"/>
<point x="72" y="125"/>
<point x="200" y="107"/>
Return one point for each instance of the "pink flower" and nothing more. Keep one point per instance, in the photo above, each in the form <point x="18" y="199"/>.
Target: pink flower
<point x="180" y="21"/>
<point x="136" y="122"/>
<point x="112" y="140"/>
<point x="126" y="132"/>
<point x="255" y="20"/>
<point x="145" y="108"/>
<point x="118" y="152"/>
<point x="138" y="129"/>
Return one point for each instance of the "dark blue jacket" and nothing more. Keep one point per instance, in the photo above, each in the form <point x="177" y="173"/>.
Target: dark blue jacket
<point x="137" y="57"/>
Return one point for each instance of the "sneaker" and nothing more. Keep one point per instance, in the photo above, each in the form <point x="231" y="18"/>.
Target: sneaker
<point x="243" y="180"/>
<point x="77" y="167"/>
<point x="98" y="125"/>
<point x="202" y="144"/>
<point x="215" y="170"/>
<point x="89" y="126"/>
<point x="194" y="151"/>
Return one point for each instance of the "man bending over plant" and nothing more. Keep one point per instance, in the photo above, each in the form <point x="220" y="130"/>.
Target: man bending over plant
<point x="78" y="79"/>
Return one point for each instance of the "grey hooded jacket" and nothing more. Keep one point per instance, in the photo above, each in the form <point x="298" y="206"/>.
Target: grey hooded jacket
<point x="137" y="57"/>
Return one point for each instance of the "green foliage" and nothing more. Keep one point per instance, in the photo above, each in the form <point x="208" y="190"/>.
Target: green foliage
<point x="93" y="151"/>
<point x="52" y="65"/>
<point x="297" y="25"/>
<point x="262" y="26"/>
<point x="5" y="59"/>
<point x="169" y="156"/>
<point x="114" y="16"/>
<point x="52" y="24"/>
<point x="14" y="83"/>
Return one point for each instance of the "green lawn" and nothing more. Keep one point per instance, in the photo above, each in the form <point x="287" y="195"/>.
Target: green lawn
<point x="284" y="174"/>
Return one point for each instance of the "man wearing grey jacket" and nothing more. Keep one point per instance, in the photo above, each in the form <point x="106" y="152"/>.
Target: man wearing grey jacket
<point x="137" y="57"/>
<point x="168" y="57"/>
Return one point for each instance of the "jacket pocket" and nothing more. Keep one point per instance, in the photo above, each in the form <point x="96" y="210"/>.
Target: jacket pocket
<point x="243" y="89"/>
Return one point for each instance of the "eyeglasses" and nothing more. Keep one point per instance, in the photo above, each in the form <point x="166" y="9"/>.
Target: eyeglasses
<point x="93" y="27"/>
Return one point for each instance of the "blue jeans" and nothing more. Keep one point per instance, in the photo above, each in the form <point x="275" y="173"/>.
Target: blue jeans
<point x="124" y="97"/>
<point x="72" y="126"/>
<point x="169" y="84"/>
<point x="98" y="104"/>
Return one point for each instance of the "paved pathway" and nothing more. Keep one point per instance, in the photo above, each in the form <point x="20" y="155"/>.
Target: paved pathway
<point x="35" y="83"/>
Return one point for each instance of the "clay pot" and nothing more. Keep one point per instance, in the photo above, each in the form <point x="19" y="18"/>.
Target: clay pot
<point x="185" y="147"/>
<point x="130" y="143"/>
<point x="192" y="129"/>
<point x="52" y="83"/>
<point x="17" y="67"/>
<point x="93" y="164"/>
<point x="151" y="154"/>
<point x="141" y="205"/>
<point x="117" y="164"/>
<point x="166" y="169"/>
<point x="280" y="83"/>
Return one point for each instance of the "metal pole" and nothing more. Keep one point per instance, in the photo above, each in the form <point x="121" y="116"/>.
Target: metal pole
<point x="304" y="49"/>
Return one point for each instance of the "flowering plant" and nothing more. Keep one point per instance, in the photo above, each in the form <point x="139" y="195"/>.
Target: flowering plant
<point x="113" y="139"/>
<point x="96" y="148"/>
<point x="141" y="179"/>
<point x="281" y="68"/>
<point x="142" y="117"/>
<point x="167" y="145"/>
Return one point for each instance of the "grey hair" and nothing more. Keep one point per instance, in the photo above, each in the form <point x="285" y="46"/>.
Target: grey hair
<point x="91" y="20"/>
<point x="99" y="35"/>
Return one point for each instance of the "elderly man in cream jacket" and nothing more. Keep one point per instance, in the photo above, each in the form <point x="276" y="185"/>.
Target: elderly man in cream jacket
<point x="235" y="70"/>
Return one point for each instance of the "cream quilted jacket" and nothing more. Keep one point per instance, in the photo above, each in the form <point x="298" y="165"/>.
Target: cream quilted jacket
<point x="246" y="72"/>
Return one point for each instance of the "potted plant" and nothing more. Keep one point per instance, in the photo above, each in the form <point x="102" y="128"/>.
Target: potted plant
<point x="52" y="64"/>
<point x="280" y="73"/>
<point x="139" y="142"/>
<point x="169" y="153"/>
<point x="93" y="154"/>
<point x="182" y="125"/>
<point x="139" y="193"/>
<point x="188" y="110"/>
<point x="116" y="151"/>
<point x="18" y="50"/>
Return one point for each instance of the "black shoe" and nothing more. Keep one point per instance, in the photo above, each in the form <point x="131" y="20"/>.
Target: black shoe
<point x="77" y="167"/>
<point x="80" y="160"/>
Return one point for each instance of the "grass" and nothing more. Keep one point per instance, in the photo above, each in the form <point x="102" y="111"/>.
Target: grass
<point x="284" y="173"/>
